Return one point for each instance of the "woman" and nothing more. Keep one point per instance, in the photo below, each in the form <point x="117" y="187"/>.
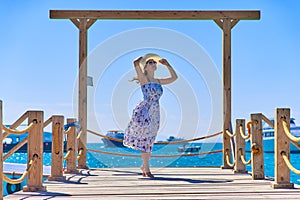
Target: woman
<point x="141" y="131"/>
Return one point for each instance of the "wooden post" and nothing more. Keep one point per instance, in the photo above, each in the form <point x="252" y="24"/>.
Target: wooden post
<point x="72" y="147"/>
<point x="257" y="155"/>
<point x="82" y="103"/>
<point x="57" y="149"/>
<point x="281" y="144"/>
<point x="1" y="152"/>
<point x="35" y="150"/>
<point x="83" y="24"/>
<point x="226" y="26"/>
<point x="240" y="147"/>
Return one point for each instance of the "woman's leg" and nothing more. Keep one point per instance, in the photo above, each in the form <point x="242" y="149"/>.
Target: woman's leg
<point x="145" y="166"/>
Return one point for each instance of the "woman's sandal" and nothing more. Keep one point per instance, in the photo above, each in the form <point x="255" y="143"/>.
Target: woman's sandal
<point x="146" y="173"/>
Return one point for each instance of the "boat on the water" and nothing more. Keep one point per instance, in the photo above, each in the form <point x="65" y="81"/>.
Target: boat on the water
<point x="268" y="137"/>
<point x="114" y="134"/>
<point x="13" y="139"/>
<point x="173" y="139"/>
<point x="189" y="149"/>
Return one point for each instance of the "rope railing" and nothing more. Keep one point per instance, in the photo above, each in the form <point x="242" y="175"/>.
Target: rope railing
<point x="9" y="130"/>
<point x="172" y="142"/>
<point x="67" y="154"/>
<point x="104" y="136"/>
<point x="245" y="137"/>
<point x="228" y="159"/>
<point x="21" y="179"/>
<point x="79" y="135"/>
<point x="69" y="151"/>
<point x="288" y="133"/>
<point x="230" y="134"/>
<point x="17" y="123"/>
<point x="153" y="156"/>
<point x="68" y="130"/>
<point x="249" y="130"/>
<point x="79" y="154"/>
<point x="243" y="158"/>
<point x="288" y="163"/>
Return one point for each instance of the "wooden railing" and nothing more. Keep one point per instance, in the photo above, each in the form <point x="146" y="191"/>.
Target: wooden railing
<point x="36" y="125"/>
<point x="282" y="140"/>
<point x="35" y="142"/>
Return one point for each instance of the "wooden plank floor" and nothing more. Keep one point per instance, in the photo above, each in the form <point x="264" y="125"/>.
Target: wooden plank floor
<point x="169" y="183"/>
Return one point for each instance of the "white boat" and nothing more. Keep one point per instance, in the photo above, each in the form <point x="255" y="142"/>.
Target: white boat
<point x="116" y="134"/>
<point x="189" y="149"/>
<point x="268" y="137"/>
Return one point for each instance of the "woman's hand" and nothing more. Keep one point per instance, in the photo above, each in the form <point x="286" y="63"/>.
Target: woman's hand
<point x="164" y="62"/>
<point x="136" y="62"/>
<point x="173" y="74"/>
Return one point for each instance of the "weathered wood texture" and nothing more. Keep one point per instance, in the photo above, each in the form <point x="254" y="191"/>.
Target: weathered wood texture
<point x="71" y="146"/>
<point x="240" y="147"/>
<point x="57" y="148"/>
<point x="169" y="183"/>
<point x="226" y="86"/>
<point x="35" y="150"/>
<point x="154" y="14"/>
<point x="257" y="147"/>
<point x="281" y="144"/>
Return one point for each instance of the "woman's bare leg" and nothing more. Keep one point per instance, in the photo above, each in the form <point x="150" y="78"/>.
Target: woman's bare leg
<point x="145" y="167"/>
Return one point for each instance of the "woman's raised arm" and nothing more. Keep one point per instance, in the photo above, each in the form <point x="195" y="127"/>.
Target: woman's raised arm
<point x="164" y="81"/>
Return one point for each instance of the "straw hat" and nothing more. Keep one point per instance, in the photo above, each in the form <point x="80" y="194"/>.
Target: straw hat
<point x="149" y="56"/>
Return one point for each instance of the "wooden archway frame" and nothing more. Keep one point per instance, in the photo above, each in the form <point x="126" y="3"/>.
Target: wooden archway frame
<point x="84" y="19"/>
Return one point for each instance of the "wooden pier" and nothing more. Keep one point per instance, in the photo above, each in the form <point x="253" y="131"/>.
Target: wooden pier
<point x="169" y="183"/>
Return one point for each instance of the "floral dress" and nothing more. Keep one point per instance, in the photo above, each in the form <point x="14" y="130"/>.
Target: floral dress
<point x="142" y="129"/>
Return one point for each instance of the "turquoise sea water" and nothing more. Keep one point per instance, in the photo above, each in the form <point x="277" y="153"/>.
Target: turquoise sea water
<point x="96" y="160"/>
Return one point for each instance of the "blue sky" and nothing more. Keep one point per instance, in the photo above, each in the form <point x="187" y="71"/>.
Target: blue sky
<point x="39" y="60"/>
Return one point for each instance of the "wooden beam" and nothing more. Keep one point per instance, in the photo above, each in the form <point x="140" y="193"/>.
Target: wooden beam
<point x="234" y="22"/>
<point x="75" y="22"/>
<point x="90" y="23"/>
<point x="155" y="14"/>
<point x="219" y="23"/>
